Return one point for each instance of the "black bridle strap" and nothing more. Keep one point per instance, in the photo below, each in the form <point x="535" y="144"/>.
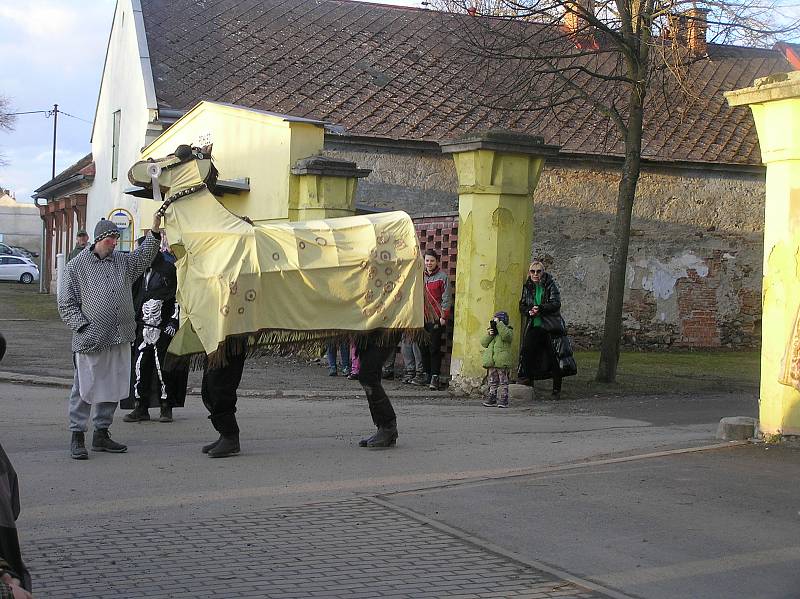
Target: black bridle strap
<point x="179" y="195"/>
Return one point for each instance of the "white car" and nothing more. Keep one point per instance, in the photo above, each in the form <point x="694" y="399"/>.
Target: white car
<point x="14" y="268"/>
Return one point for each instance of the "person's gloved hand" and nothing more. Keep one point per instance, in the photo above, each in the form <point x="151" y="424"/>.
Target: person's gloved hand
<point x="170" y="330"/>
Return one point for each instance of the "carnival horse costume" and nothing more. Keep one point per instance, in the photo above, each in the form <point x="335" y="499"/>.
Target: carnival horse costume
<point x="242" y="286"/>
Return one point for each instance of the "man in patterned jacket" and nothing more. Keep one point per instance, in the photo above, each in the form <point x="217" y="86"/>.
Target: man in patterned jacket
<point x="94" y="300"/>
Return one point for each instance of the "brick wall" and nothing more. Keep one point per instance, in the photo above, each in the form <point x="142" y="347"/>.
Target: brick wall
<point x="440" y="232"/>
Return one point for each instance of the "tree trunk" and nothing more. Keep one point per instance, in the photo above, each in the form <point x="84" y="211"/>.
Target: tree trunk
<point x="612" y="332"/>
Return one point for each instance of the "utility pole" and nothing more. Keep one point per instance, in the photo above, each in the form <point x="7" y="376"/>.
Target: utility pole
<point x="55" y="130"/>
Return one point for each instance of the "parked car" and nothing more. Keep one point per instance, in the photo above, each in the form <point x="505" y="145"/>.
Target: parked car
<point x="12" y="250"/>
<point x="24" y="252"/>
<point x="15" y="268"/>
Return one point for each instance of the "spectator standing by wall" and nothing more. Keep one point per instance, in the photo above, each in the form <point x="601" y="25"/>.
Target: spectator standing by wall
<point x="344" y="353"/>
<point x="412" y="361"/>
<point x="437" y="312"/>
<point x="540" y="307"/>
<point x="95" y="302"/>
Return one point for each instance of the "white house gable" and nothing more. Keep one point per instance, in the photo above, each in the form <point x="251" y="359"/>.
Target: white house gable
<point x="125" y="105"/>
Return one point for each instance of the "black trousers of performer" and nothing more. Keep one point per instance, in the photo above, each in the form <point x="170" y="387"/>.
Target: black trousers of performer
<point x="431" y="349"/>
<point x="372" y="358"/>
<point x="219" y="395"/>
<point x="538" y="359"/>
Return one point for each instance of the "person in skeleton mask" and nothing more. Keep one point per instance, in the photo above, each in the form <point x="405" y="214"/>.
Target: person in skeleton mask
<point x="157" y="315"/>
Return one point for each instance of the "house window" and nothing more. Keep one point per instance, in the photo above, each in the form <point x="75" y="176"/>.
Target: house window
<point x="115" y="145"/>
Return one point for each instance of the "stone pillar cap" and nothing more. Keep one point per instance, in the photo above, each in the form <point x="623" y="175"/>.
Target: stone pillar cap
<point x="500" y="140"/>
<point x="328" y="167"/>
<point x="780" y="86"/>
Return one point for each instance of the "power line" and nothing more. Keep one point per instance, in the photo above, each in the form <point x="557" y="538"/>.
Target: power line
<point x="29" y="112"/>
<point x="74" y="117"/>
<point x="48" y="113"/>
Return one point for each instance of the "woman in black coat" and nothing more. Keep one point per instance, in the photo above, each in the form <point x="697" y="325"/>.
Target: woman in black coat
<point x="540" y="307"/>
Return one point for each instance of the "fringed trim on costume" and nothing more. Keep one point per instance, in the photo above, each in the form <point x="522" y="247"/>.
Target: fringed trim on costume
<point x="289" y="341"/>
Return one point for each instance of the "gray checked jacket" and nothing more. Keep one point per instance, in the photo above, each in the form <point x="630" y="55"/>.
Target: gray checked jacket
<point x="94" y="299"/>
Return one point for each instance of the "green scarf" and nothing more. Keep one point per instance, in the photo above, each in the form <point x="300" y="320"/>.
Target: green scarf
<point x="538" y="293"/>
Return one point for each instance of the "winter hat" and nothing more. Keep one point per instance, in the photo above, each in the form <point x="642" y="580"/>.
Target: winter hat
<point x="502" y="316"/>
<point x="105" y="228"/>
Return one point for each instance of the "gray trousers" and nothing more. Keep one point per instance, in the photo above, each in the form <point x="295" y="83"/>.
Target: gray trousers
<point x="412" y="358"/>
<point x="79" y="411"/>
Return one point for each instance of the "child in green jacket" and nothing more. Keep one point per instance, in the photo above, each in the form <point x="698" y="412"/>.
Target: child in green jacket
<point x="497" y="358"/>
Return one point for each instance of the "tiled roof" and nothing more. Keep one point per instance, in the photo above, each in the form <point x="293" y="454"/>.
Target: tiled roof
<point x="396" y="72"/>
<point x="84" y="166"/>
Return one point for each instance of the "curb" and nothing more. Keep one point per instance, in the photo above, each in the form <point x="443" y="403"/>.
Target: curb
<point x="32" y="379"/>
<point x="65" y="383"/>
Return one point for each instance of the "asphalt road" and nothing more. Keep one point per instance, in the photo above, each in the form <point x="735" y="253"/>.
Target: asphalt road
<point x="534" y="481"/>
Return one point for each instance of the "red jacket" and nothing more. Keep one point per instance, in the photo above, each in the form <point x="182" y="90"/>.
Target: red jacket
<point x="437" y="296"/>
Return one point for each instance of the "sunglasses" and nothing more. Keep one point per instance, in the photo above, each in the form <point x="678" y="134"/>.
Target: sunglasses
<point x="536" y="271"/>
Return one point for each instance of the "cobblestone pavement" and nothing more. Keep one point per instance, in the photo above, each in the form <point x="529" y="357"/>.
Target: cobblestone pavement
<point x="349" y="549"/>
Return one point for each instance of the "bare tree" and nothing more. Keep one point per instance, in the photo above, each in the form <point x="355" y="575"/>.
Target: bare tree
<point x="6" y="120"/>
<point x="563" y="56"/>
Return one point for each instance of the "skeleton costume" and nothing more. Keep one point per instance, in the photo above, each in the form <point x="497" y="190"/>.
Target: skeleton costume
<point x="157" y="316"/>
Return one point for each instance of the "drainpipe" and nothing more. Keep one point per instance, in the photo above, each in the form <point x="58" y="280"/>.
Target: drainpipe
<point x="42" y="253"/>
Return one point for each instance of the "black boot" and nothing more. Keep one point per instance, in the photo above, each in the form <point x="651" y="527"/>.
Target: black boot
<point x="366" y="440"/>
<point x="385" y="437"/>
<point x="77" y="449"/>
<point x="138" y="414"/>
<point x="226" y="446"/>
<point x="101" y="441"/>
<point x="166" y="413"/>
<point x="210" y="446"/>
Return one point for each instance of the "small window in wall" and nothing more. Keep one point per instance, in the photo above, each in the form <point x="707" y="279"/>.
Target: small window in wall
<point x="115" y="145"/>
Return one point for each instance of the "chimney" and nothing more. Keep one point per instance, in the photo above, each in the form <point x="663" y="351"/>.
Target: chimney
<point x="574" y="17"/>
<point x="696" y="26"/>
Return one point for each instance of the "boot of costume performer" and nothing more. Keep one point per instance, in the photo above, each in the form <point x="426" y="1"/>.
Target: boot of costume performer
<point x="225" y="446"/>
<point x="102" y="441"/>
<point x="386" y="436"/>
<point x="210" y="446"/>
<point x="138" y="414"/>
<point x="77" y="448"/>
<point x="166" y="412"/>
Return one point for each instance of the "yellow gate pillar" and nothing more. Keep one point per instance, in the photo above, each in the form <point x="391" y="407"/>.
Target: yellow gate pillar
<point x="323" y="187"/>
<point x="775" y="102"/>
<point x="497" y="173"/>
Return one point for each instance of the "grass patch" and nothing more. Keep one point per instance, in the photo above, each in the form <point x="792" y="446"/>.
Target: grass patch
<point x="653" y="373"/>
<point x="25" y="302"/>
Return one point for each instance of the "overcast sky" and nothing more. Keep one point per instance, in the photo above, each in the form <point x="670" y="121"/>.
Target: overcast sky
<point x="52" y="51"/>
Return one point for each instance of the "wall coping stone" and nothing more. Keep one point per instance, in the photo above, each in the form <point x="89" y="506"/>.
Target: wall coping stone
<point x="500" y="140"/>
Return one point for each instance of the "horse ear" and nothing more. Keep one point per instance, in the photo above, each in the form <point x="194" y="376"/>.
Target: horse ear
<point x="183" y="152"/>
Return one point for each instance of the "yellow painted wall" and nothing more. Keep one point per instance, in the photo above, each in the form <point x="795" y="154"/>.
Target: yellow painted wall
<point x="247" y="143"/>
<point x="775" y="103"/>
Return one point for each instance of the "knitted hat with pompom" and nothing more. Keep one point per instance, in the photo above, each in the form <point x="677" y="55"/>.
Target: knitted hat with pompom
<point x="105" y="228"/>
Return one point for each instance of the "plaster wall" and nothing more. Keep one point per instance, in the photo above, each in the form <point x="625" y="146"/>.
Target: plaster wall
<point x="694" y="274"/>
<point x="123" y="88"/>
<point x="21" y="225"/>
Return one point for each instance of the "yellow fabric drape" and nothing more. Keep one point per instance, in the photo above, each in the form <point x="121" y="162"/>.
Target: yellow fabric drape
<point x="284" y="282"/>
